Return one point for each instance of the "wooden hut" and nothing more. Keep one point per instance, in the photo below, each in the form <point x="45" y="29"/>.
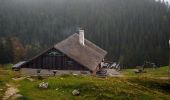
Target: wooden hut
<point x="72" y="55"/>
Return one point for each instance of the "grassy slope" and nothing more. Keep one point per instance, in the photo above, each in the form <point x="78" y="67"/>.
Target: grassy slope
<point x="91" y="88"/>
<point x="96" y="88"/>
<point x="5" y="77"/>
<point x="159" y="72"/>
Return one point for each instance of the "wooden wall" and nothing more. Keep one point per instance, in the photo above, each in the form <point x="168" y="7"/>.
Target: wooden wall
<point x="54" y="60"/>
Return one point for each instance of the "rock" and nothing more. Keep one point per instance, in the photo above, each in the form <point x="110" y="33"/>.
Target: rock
<point x="75" y="74"/>
<point x="28" y="76"/>
<point x="18" y="79"/>
<point x="43" y="85"/>
<point x="1" y="89"/>
<point x="30" y="79"/>
<point x="137" y="71"/>
<point x="17" y="96"/>
<point x="8" y="85"/>
<point x="75" y="92"/>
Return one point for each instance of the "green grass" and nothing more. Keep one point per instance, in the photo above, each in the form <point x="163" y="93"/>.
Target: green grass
<point x="2" y="86"/>
<point x="159" y="72"/>
<point x="91" y="88"/>
<point x="5" y="77"/>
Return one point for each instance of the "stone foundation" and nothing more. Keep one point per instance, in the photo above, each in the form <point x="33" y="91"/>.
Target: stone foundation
<point x="46" y="72"/>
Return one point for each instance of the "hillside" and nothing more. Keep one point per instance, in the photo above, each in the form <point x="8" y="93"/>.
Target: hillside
<point x="91" y="88"/>
<point x="132" y="30"/>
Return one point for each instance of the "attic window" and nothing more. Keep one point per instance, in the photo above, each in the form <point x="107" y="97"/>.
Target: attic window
<point x="55" y="53"/>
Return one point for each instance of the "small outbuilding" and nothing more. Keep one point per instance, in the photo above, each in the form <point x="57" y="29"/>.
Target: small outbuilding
<point x="75" y="55"/>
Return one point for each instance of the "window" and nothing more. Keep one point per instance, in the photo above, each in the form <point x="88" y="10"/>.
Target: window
<point x="55" y="53"/>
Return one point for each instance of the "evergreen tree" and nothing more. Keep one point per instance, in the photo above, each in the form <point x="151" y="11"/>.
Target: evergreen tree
<point x="138" y="30"/>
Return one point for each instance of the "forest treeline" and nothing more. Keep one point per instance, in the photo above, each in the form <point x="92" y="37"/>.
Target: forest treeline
<point x="131" y="31"/>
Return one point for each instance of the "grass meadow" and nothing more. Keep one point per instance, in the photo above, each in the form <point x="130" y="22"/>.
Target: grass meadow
<point x="140" y="87"/>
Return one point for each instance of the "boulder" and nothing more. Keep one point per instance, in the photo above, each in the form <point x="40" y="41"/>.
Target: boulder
<point x="43" y="85"/>
<point x="76" y="92"/>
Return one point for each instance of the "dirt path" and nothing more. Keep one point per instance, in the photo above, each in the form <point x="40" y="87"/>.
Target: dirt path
<point x="11" y="91"/>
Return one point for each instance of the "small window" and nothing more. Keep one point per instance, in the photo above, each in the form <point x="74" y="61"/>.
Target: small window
<point x="55" y="53"/>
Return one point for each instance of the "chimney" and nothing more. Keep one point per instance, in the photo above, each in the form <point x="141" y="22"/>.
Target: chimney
<point x="81" y="37"/>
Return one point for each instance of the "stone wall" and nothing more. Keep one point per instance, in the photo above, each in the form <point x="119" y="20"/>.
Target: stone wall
<point x="46" y="72"/>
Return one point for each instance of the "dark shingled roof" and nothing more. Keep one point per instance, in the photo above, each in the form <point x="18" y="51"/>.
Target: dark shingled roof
<point x="88" y="55"/>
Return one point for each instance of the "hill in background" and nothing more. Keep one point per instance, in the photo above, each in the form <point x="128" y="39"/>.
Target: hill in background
<point x="131" y="30"/>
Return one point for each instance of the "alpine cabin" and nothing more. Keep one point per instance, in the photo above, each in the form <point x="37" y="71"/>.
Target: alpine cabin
<point x="74" y="55"/>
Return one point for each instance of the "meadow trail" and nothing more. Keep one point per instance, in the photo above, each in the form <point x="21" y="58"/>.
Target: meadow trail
<point x="10" y="92"/>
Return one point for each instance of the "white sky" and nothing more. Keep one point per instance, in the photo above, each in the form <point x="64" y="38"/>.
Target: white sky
<point x="168" y="1"/>
<point x="165" y="1"/>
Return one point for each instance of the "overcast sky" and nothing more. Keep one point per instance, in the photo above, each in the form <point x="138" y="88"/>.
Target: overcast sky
<point x="165" y="0"/>
<point x="168" y="0"/>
